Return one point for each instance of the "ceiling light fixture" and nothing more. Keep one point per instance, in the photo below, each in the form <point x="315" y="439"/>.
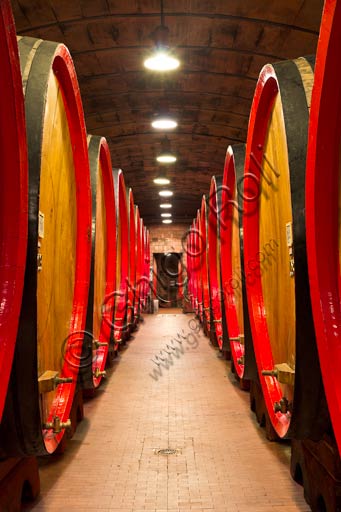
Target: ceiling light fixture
<point x="166" y="156"/>
<point x="164" y="123"/>
<point x="166" y="214"/>
<point x="165" y="205"/>
<point x="162" y="59"/>
<point x="167" y="221"/>
<point x="161" y="180"/>
<point x="165" y="193"/>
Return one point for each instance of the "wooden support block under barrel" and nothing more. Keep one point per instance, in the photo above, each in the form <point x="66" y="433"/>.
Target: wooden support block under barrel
<point x="317" y="466"/>
<point x="19" y="482"/>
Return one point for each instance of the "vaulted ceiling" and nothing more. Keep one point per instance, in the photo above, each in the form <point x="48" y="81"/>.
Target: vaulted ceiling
<point x="222" y="45"/>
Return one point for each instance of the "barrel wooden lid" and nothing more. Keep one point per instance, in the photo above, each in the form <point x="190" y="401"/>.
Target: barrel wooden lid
<point x="274" y="230"/>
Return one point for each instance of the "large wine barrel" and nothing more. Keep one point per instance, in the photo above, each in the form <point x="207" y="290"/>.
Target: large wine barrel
<point x="219" y="326"/>
<point x="198" y="265"/>
<point x="207" y="313"/>
<point x="195" y="266"/>
<point x="234" y="270"/>
<point x="137" y="305"/>
<point x="101" y="300"/>
<point x="13" y="194"/>
<point x="323" y="200"/>
<point x="146" y="265"/>
<point x="122" y="261"/>
<point x="53" y="313"/>
<point x="192" y="264"/>
<point x="275" y="250"/>
<point x="132" y="259"/>
<point x="143" y="280"/>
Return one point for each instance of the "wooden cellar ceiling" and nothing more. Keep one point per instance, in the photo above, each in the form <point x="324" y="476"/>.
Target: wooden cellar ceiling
<point x="222" y="45"/>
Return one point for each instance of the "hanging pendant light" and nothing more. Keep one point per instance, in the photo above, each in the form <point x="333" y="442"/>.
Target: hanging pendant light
<point x="166" y="156"/>
<point x="161" y="60"/>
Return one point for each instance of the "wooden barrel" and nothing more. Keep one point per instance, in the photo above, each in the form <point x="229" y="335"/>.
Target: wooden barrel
<point x="13" y="194"/>
<point x="323" y="200"/>
<point x="275" y="250"/>
<point x="216" y="286"/>
<point x="101" y="300"/>
<point x="191" y="265"/>
<point x="137" y="305"/>
<point x="195" y="266"/>
<point x="180" y="282"/>
<point x="207" y="312"/>
<point x="198" y="264"/>
<point x="143" y="280"/>
<point x="234" y="272"/>
<point x="122" y="259"/>
<point x="146" y="264"/>
<point x="54" y="306"/>
<point x="132" y="259"/>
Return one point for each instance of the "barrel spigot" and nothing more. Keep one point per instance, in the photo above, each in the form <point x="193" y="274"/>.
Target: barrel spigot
<point x="57" y="425"/>
<point x="270" y="373"/>
<point x="96" y="344"/>
<point x="283" y="405"/>
<point x="49" y="380"/>
<point x="98" y="373"/>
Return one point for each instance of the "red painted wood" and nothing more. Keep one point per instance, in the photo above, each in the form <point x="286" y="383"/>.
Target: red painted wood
<point x="101" y="354"/>
<point x="322" y="207"/>
<point x="213" y="255"/>
<point x="64" y="69"/>
<point x="229" y="203"/>
<point x="265" y="94"/>
<point x="13" y="194"/>
<point x="204" y="263"/>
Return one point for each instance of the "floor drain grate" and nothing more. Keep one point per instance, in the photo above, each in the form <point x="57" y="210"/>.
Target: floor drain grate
<point x="166" y="451"/>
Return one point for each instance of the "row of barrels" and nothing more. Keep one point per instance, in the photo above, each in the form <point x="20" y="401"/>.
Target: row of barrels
<point x="74" y="251"/>
<point x="263" y="253"/>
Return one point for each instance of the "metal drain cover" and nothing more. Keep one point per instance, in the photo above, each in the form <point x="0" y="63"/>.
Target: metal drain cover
<point x="166" y="451"/>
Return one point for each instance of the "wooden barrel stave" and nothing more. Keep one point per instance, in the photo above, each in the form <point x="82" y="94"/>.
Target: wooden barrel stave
<point x="13" y="194"/>
<point x="53" y="314"/>
<point x="323" y="200"/>
<point x="281" y="104"/>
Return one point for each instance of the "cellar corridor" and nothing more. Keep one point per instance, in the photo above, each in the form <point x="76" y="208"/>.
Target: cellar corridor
<point x="217" y="457"/>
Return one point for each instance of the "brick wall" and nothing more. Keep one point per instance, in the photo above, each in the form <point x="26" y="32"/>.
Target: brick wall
<point x="167" y="238"/>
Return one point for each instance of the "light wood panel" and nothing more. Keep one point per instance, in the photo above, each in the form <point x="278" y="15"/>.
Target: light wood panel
<point x="237" y="266"/>
<point x="100" y="254"/>
<point x="275" y="212"/>
<point x="57" y="202"/>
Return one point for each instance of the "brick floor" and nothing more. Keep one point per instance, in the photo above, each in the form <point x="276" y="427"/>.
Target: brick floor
<point x="222" y="463"/>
